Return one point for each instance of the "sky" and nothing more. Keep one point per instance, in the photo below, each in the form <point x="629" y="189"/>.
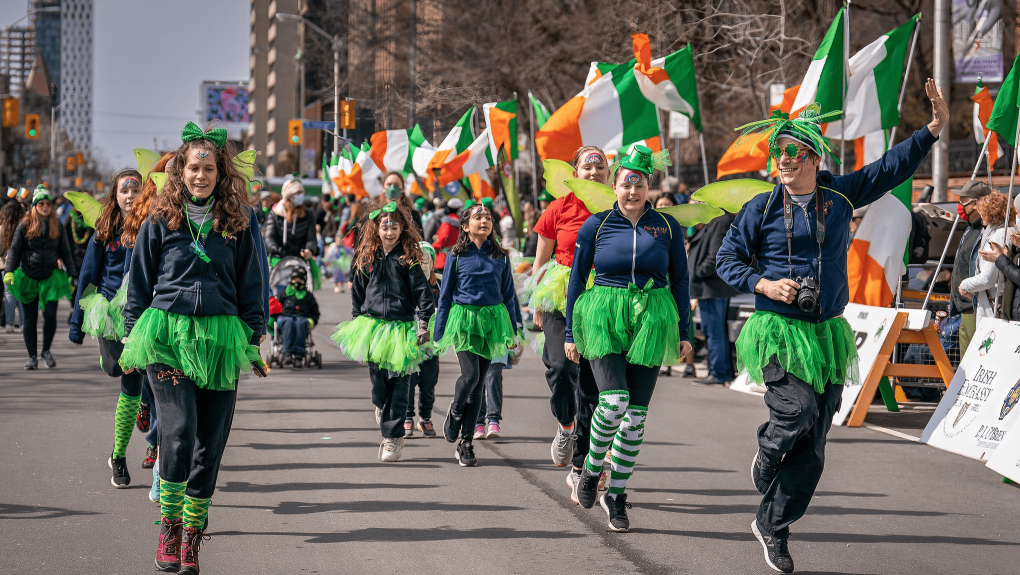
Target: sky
<point x="149" y="59"/>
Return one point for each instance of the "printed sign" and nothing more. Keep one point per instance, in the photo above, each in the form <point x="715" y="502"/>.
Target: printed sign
<point x="679" y="126"/>
<point x="1006" y="458"/>
<point x="980" y="405"/>
<point x="978" y="32"/>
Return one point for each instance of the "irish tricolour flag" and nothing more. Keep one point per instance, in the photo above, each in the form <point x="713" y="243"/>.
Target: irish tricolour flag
<point x="823" y="82"/>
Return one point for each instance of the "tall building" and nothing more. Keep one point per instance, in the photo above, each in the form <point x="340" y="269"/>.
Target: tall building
<point x="47" y="39"/>
<point x="75" y="79"/>
<point x="17" y="56"/>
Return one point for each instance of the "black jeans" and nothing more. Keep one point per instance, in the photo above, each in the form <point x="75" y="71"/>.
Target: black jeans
<point x="575" y="394"/>
<point x="799" y="419"/>
<point x="28" y="329"/>
<point x="195" y="426"/>
<point x="389" y="393"/>
<point x="425" y="380"/>
<point x="612" y="372"/>
<point x="491" y="403"/>
<point x="152" y="436"/>
<point x="467" y="394"/>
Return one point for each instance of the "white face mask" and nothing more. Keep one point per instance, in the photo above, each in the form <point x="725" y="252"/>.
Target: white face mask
<point x="298" y="199"/>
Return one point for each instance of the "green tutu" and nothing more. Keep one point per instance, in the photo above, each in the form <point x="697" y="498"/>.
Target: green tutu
<point x="211" y="350"/>
<point x="551" y="292"/>
<point x="483" y="330"/>
<point x="103" y="318"/>
<point x="392" y="345"/>
<point x="643" y="323"/>
<point x="53" y="288"/>
<point x="814" y="352"/>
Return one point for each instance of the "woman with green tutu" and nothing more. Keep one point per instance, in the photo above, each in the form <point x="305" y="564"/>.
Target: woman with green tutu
<point x="631" y="322"/>
<point x="478" y="316"/>
<point x="99" y="310"/>
<point x="389" y="286"/>
<point x="194" y="317"/>
<point x="32" y="275"/>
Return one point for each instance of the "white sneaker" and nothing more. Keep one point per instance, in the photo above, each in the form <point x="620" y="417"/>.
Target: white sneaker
<point x="389" y="449"/>
<point x="8" y="328"/>
<point x="378" y="416"/>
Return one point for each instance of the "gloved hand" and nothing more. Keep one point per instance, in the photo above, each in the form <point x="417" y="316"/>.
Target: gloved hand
<point x="9" y="278"/>
<point x="423" y="332"/>
<point x="311" y="324"/>
<point x="275" y="251"/>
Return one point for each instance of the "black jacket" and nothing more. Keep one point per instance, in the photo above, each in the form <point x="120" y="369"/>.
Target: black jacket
<point x="300" y="235"/>
<point x="304" y="307"/>
<point x="390" y="289"/>
<point x="167" y="275"/>
<point x="705" y="243"/>
<point x="37" y="257"/>
<point x="78" y="250"/>
<point x="1011" y="271"/>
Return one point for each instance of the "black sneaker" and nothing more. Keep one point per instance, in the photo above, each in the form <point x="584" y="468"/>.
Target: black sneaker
<point x="121" y="478"/>
<point x="299" y="361"/>
<point x="616" y="509"/>
<point x="288" y="359"/>
<point x="586" y="489"/>
<point x="48" y="359"/>
<point x="777" y="551"/>
<point x="33" y="363"/>
<point x="763" y="473"/>
<point x="688" y="371"/>
<point x="465" y="454"/>
<point x="452" y="425"/>
<point x="710" y="381"/>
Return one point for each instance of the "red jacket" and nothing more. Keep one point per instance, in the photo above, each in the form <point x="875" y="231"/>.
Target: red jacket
<point x="446" y="237"/>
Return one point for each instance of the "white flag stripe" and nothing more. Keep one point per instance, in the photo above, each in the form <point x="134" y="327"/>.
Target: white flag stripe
<point x="863" y="111"/>
<point x="664" y="95"/>
<point x="601" y="122"/>
<point x="809" y="86"/>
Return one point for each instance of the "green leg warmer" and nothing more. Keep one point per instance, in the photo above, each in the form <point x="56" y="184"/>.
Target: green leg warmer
<point x="604" y="423"/>
<point x="124" y="422"/>
<point x="626" y="447"/>
<point x="195" y="512"/>
<point x="171" y="498"/>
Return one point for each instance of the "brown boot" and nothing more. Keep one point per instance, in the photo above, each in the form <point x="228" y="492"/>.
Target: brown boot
<point x="190" y="542"/>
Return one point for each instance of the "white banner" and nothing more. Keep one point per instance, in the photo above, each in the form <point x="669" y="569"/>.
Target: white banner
<point x="1006" y="458"/>
<point x="980" y="405"/>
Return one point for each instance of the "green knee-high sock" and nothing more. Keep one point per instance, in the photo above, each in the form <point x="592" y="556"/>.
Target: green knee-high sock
<point x="124" y="422"/>
<point x="626" y="447"/>
<point x="171" y="498"/>
<point x="604" y="423"/>
<point x="195" y="512"/>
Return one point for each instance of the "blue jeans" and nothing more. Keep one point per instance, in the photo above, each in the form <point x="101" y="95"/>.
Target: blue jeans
<point x="11" y="304"/>
<point x="295" y="332"/>
<point x="713" y="325"/>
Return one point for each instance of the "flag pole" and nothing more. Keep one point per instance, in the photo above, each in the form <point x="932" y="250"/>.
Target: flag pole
<point x="906" y="76"/>
<point x="534" y="148"/>
<point x="701" y="135"/>
<point x="704" y="162"/>
<point x="846" y="69"/>
<point x="517" y="166"/>
<point x="1009" y="202"/>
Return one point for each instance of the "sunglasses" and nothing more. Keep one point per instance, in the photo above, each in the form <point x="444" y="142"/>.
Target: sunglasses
<point x="966" y="200"/>
<point x="44" y="203"/>
<point x="791" y="151"/>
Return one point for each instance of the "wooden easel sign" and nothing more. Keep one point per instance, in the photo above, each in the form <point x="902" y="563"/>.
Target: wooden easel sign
<point x="872" y="326"/>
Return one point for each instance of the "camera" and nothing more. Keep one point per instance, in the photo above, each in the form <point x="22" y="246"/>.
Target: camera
<point x="807" y="295"/>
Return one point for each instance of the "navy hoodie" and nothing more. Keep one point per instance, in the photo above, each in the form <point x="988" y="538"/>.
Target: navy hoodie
<point x="624" y="253"/>
<point x="758" y="234"/>
<point x="478" y="279"/>
<point x="103" y="267"/>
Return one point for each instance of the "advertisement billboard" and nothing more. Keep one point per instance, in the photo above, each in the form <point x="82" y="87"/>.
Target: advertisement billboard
<point x="977" y="40"/>
<point x="225" y="104"/>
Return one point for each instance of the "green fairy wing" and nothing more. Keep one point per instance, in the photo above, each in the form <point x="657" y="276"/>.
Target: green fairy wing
<point x="159" y="178"/>
<point x="245" y="163"/>
<point x="596" y="197"/>
<point x="731" y="195"/>
<point x="692" y="214"/>
<point x="89" y="208"/>
<point x="557" y="172"/>
<point x="147" y="159"/>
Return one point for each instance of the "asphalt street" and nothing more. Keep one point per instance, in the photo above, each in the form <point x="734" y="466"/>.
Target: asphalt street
<point x="301" y="489"/>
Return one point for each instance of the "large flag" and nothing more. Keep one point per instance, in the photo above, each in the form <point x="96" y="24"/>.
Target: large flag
<point x="667" y="82"/>
<point x="877" y="256"/>
<point x="396" y="149"/>
<point x="752" y="154"/>
<point x="501" y="121"/>
<point x="472" y="164"/>
<point x="364" y="178"/>
<point x="327" y="184"/>
<point x="1004" y="113"/>
<point x="876" y="75"/>
<point x="983" y="105"/>
<point x="540" y="111"/>
<point x="823" y="82"/>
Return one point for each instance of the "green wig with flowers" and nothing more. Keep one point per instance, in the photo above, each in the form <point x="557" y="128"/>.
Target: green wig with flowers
<point x="806" y="129"/>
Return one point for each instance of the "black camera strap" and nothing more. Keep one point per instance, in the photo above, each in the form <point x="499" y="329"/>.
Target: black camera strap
<point x="819" y="228"/>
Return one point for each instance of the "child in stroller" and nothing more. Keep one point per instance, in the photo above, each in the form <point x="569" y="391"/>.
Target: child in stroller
<point x="300" y="313"/>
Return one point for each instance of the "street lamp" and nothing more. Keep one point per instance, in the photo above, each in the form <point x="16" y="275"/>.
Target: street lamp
<point x="337" y="43"/>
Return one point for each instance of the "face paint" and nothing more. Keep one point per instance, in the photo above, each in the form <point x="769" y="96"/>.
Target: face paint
<point x="388" y="222"/>
<point x="202" y="154"/>
<point x="129" y="183"/>
<point x="481" y="210"/>
<point x="632" y="178"/>
<point x="801" y="158"/>
<point x="594" y="158"/>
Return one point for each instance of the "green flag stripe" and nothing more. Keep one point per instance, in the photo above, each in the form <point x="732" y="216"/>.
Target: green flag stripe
<point x="1004" y="114"/>
<point x="640" y="120"/>
<point x="889" y="72"/>
<point x="830" y="84"/>
<point x="680" y="67"/>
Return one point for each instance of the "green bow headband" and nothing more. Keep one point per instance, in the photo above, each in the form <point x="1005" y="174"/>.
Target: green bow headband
<point x="40" y="194"/>
<point x="191" y="132"/>
<point x="806" y="129"/>
<point x="388" y="208"/>
<point x="642" y="159"/>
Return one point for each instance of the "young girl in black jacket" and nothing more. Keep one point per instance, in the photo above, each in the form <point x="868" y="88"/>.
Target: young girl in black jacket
<point x="389" y="285"/>
<point x="32" y="275"/>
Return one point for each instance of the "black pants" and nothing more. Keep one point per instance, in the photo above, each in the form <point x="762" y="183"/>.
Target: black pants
<point x="389" y="393"/>
<point x="575" y="393"/>
<point x="425" y="380"/>
<point x="109" y="355"/>
<point x="152" y="436"/>
<point x="799" y="419"/>
<point x="467" y="394"/>
<point x="28" y="330"/>
<point x="491" y="402"/>
<point x="193" y="431"/>
<point x="612" y="372"/>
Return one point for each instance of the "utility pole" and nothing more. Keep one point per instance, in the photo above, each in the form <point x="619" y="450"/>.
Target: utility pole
<point x="413" y="34"/>
<point x="943" y="79"/>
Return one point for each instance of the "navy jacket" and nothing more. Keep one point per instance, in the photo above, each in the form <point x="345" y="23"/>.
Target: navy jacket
<point x="758" y="234"/>
<point x="623" y="254"/>
<point x="103" y="267"/>
<point x="473" y="277"/>
<point x="167" y="275"/>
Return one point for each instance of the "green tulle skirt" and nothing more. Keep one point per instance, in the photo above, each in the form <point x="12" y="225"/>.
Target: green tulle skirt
<point x="103" y="318"/>
<point x="550" y="294"/>
<point x="641" y="323"/>
<point x="814" y="352"/>
<point x="212" y="350"/>
<point x="53" y="288"/>
<point x="392" y="345"/>
<point x="483" y="330"/>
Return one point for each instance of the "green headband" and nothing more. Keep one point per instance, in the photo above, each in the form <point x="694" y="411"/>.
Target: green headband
<point x="388" y="208"/>
<point x="40" y="194"/>
<point x="427" y="248"/>
<point x="191" y="132"/>
<point x="806" y="129"/>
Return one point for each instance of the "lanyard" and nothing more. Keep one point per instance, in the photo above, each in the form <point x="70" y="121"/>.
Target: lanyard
<point x="196" y="247"/>
<point x="819" y="228"/>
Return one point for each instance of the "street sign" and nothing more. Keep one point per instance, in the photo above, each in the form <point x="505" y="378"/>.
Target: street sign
<point x="32" y="126"/>
<point x="679" y="126"/>
<point x="10" y="112"/>
<point x="314" y="125"/>
<point x="294" y="132"/>
<point x="347" y="112"/>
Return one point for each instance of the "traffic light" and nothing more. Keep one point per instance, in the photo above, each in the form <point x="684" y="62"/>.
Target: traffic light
<point x="294" y="132"/>
<point x="347" y="108"/>
<point x="71" y="165"/>
<point x="81" y="158"/>
<point x="10" y="114"/>
<point x="32" y="126"/>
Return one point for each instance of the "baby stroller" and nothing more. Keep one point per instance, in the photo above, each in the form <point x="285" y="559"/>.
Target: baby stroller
<point x="279" y="277"/>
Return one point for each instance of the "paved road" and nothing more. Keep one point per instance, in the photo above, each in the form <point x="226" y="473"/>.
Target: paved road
<point x="301" y="490"/>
